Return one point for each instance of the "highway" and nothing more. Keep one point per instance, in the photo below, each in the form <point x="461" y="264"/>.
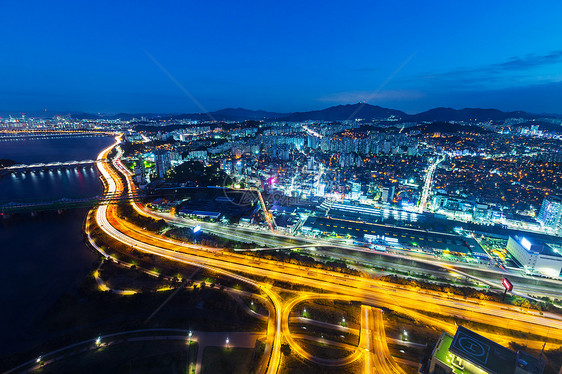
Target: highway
<point x="485" y="275"/>
<point x="377" y="355"/>
<point x="427" y="183"/>
<point x="413" y="302"/>
<point x="490" y="277"/>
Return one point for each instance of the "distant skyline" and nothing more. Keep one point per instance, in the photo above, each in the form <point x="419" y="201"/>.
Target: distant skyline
<point x="184" y="57"/>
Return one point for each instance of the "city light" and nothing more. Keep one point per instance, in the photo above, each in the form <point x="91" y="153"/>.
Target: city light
<point x="526" y="244"/>
<point x="380" y="222"/>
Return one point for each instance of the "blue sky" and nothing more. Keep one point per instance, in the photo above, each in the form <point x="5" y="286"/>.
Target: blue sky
<point x="181" y="56"/>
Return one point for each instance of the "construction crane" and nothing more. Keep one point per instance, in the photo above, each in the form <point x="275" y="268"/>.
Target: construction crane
<point x="268" y="216"/>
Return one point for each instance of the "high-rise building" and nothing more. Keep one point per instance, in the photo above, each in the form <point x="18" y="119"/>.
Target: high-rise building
<point x="140" y="171"/>
<point x="550" y="214"/>
<point x="163" y="163"/>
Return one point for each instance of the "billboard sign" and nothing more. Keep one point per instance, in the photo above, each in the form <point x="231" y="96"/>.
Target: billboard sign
<point x="507" y="284"/>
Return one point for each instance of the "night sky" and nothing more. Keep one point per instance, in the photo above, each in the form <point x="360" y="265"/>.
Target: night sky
<point x="190" y="56"/>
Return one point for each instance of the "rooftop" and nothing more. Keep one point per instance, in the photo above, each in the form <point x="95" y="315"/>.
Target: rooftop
<point x="537" y="246"/>
<point x="483" y="354"/>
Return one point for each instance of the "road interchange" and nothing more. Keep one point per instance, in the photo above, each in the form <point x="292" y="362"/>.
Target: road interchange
<point x="340" y="286"/>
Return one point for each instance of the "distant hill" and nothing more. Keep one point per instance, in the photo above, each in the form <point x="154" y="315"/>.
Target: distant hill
<point x="347" y="112"/>
<point x="364" y="111"/>
<point x="231" y="114"/>
<point x="467" y="114"/>
<point x="137" y="116"/>
<point x="244" y="114"/>
<point x="81" y="115"/>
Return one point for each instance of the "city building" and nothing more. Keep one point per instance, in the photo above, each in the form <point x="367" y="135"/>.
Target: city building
<point x="535" y="256"/>
<point x="140" y="172"/>
<point x="163" y="163"/>
<point x="550" y="214"/>
<point x="470" y="353"/>
<point x="197" y="155"/>
<point x="388" y="194"/>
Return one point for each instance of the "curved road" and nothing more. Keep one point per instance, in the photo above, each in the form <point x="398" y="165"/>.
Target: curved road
<point x="407" y="300"/>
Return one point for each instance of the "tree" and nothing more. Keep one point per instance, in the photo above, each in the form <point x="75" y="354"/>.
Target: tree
<point x="286" y="349"/>
<point x="196" y="172"/>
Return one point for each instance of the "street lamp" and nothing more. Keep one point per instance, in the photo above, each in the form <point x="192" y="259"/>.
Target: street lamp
<point x="38" y="359"/>
<point x="98" y="340"/>
<point x="189" y="335"/>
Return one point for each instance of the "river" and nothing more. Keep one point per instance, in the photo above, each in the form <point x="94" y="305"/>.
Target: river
<point x="43" y="255"/>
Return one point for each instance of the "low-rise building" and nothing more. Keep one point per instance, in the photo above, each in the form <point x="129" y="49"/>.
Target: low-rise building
<point x="535" y="256"/>
<point x="470" y="353"/>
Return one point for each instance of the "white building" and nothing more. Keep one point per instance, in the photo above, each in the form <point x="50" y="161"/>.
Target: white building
<point x="535" y="257"/>
<point x="387" y="194"/>
<point x="197" y="155"/>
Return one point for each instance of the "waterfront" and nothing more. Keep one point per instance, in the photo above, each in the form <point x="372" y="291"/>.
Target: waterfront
<point x="44" y="255"/>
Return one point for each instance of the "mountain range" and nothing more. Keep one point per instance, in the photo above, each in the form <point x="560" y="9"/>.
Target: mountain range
<point x="363" y="111"/>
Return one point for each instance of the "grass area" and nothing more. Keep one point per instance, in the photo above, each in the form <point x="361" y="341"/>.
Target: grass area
<point x="255" y="304"/>
<point x="226" y="360"/>
<point x="323" y="350"/>
<point x="118" y="277"/>
<point x="331" y="311"/>
<point x="91" y="312"/>
<point x="396" y="323"/>
<point x="293" y="364"/>
<point x="414" y="355"/>
<point x="161" y="264"/>
<point x="325" y="333"/>
<point x="129" y="357"/>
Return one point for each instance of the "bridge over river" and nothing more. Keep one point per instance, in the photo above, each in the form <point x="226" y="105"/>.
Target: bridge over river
<point x="11" y="207"/>
<point x="48" y="165"/>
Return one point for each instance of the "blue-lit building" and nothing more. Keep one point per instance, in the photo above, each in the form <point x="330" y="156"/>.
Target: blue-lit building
<point x="535" y="256"/>
<point x="550" y="214"/>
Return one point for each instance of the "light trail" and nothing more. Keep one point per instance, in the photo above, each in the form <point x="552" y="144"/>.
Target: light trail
<point x="405" y="300"/>
<point x="427" y="183"/>
<point x="273" y="333"/>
